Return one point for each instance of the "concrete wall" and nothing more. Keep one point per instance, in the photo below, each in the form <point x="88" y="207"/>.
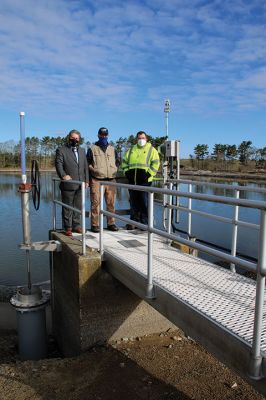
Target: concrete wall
<point x="91" y="306"/>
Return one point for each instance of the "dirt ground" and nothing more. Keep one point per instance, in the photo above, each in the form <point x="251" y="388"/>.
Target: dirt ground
<point x="167" y="366"/>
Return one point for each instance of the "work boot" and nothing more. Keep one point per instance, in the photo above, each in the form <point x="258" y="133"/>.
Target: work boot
<point x="68" y="232"/>
<point x="130" y="227"/>
<point x="95" y="229"/>
<point x="77" y="230"/>
<point x="112" y="228"/>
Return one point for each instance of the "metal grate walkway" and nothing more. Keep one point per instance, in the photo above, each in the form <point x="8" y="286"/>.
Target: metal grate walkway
<point x="226" y="298"/>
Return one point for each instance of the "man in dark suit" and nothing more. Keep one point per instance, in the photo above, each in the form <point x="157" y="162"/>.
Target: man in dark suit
<point x="71" y="163"/>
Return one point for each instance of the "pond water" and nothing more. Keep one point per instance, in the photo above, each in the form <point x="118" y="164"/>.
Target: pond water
<point x="13" y="270"/>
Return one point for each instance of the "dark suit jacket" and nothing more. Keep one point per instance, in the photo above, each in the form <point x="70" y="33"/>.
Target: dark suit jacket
<point x="66" y="164"/>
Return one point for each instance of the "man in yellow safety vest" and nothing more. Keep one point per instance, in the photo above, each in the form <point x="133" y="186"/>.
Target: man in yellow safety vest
<point x="140" y="165"/>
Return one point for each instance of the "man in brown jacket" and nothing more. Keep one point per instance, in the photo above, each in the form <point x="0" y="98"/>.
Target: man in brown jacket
<point x="103" y="163"/>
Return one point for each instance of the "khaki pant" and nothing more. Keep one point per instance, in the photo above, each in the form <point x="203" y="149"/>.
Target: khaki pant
<point x="109" y="196"/>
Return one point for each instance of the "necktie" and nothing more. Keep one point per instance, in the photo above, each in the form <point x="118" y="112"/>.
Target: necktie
<point x="75" y="150"/>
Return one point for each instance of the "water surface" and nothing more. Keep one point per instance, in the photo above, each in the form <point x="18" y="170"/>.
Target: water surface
<point x="13" y="261"/>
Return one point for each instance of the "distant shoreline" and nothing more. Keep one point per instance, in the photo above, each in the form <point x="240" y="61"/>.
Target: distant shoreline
<point x="225" y="175"/>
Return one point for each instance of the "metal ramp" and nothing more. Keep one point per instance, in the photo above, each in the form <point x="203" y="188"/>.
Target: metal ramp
<point x="211" y="304"/>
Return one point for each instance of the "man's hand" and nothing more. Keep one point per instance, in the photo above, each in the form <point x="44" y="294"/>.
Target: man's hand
<point x="87" y="185"/>
<point x="67" y="178"/>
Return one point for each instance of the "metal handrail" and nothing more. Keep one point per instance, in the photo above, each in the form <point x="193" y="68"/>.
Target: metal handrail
<point x="80" y="211"/>
<point x="235" y="221"/>
<point x="219" y="185"/>
<point x="260" y="268"/>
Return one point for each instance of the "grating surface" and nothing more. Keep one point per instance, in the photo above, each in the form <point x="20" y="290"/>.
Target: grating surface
<point x="226" y="298"/>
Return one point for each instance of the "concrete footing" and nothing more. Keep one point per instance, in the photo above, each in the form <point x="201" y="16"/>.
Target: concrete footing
<point x="90" y="306"/>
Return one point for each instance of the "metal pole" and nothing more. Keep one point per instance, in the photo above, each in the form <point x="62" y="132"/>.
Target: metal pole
<point x="54" y="205"/>
<point x="22" y="147"/>
<point x="150" y="289"/>
<point x="189" y="217"/>
<point x="101" y="219"/>
<point x="166" y="124"/>
<point x="234" y="232"/>
<point x="169" y="212"/>
<point x="83" y="220"/>
<point x="177" y="144"/>
<point x="177" y="152"/>
<point x="25" y="189"/>
<point x="256" y="358"/>
<point x="166" y="110"/>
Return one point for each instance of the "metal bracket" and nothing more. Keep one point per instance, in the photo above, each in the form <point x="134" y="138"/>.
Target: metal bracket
<point x="49" y="245"/>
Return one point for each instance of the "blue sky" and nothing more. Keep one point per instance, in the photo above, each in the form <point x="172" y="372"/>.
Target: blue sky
<point x="86" y="64"/>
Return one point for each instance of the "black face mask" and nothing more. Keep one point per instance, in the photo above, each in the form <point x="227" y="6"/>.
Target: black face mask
<point x="74" y="142"/>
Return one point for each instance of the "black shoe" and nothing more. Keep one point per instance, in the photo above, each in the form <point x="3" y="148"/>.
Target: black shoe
<point x="129" y="227"/>
<point x="95" y="229"/>
<point x="112" y="228"/>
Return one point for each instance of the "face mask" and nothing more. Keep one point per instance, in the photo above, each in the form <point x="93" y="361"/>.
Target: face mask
<point x="103" y="141"/>
<point x="142" y="142"/>
<point x="74" y="142"/>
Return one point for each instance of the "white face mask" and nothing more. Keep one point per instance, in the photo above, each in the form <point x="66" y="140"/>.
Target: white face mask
<point x="142" y="142"/>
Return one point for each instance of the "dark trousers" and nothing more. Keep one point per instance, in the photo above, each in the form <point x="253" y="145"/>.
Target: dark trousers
<point x="139" y="205"/>
<point x="71" y="219"/>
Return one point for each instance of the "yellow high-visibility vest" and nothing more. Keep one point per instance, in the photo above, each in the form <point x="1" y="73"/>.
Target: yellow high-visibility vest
<point x="145" y="157"/>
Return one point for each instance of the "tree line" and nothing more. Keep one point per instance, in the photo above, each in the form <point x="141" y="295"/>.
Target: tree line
<point x="43" y="149"/>
<point x="222" y="156"/>
<point x="228" y="154"/>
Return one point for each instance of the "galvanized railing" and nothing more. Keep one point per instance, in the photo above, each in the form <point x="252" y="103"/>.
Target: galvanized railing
<point x="235" y="221"/>
<point x="259" y="268"/>
<point x="77" y="210"/>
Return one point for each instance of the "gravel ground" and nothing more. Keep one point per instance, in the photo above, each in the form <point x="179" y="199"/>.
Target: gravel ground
<point x="167" y="366"/>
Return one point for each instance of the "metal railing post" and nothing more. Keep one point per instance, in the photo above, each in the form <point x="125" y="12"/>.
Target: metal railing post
<point x="150" y="288"/>
<point x="165" y="186"/>
<point x="189" y="217"/>
<point x="169" y="210"/>
<point x="83" y="220"/>
<point x="54" y="205"/>
<point x="234" y="232"/>
<point x="255" y="369"/>
<point x="101" y="218"/>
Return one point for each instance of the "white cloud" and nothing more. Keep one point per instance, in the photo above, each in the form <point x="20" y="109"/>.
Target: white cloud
<point x="70" y="55"/>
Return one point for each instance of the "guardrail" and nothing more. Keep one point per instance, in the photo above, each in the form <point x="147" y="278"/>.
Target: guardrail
<point x="80" y="211"/>
<point x="259" y="268"/>
<point x="235" y="221"/>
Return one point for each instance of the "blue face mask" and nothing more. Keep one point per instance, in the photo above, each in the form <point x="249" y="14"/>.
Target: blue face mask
<point x="103" y="141"/>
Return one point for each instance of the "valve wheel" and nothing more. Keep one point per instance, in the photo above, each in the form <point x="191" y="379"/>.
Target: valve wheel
<point x="36" y="184"/>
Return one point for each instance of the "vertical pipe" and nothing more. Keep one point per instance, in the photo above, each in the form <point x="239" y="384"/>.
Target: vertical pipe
<point x="177" y="151"/>
<point x="54" y="205"/>
<point x="101" y="218"/>
<point x="177" y="155"/>
<point x="28" y="269"/>
<point x="22" y="147"/>
<point x="166" y="124"/>
<point x="189" y="217"/>
<point x="83" y="220"/>
<point x="256" y="358"/>
<point x="234" y="232"/>
<point x="169" y="211"/>
<point x="165" y="186"/>
<point x="150" y="291"/>
<point x="25" y="209"/>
